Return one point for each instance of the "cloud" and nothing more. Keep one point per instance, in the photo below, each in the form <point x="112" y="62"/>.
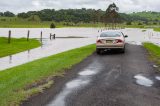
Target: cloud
<point x="124" y="5"/>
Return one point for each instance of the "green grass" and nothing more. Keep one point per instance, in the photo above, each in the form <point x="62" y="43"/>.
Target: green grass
<point x="16" y="45"/>
<point x="45" y="24"/>
<point x="154" y="52"/>
<point x="157" y="29"/>
<point x="15" y="22"/>
<point x="135" y="26"/>
<point x="14" y="81"/>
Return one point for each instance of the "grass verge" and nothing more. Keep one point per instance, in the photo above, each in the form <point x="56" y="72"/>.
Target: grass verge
<point x="16" y="45"/>
<point x="157" y="29"/>
<point x="21" y="82"/>
<point x="154" y="52"/>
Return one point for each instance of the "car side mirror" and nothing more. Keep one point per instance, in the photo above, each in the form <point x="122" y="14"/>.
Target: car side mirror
<point x="126" y="36"/>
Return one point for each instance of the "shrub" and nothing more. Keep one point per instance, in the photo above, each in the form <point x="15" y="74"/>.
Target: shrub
<point x="140" y="24"/>
<point x="129" y="23"/>
<point x="52" y="25"/>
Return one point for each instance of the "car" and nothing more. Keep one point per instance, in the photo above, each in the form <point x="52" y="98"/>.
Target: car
<point x="111" y="39"/>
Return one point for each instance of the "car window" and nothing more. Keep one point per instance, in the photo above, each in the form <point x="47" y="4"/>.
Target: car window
<point x="111" y="34"/>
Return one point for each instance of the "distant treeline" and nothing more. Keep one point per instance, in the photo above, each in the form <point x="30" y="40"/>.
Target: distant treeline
<point x="7" y="14"/>
<point x="82" y="15"/>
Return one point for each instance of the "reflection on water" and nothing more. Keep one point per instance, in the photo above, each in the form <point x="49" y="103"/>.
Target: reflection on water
<point x="10" y="59"/>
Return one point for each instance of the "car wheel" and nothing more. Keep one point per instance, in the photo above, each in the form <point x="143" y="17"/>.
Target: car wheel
<point x="98" y="51"/>
<point x="123" y="50"/>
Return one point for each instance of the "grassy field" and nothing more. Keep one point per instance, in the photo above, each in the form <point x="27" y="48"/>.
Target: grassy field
<point x="16" y="45"/>
<point x="154" y="52"/>
<point x="14" y="22"/>
<point x="134" y="26"/>
<point x="17" y="84"/>
<point x="45" y="24"/>
<point x="157" y="29"/>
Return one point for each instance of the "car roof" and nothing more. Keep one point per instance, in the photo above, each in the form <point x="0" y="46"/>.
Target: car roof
<point x="111" y="31"/>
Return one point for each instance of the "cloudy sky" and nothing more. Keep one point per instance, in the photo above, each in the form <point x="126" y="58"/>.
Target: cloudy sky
<point x="124" y="5"/>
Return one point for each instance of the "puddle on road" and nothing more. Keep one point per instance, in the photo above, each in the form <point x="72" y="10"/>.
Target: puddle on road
<point x="84" y="77"/>
<point x="76" y="83"/>
<point x="155" y="66"/>
<point x="157" y="78"/>
<point x="68" y="89"/>
<point x="141" y="80"/>
<point x="87" y="72"/>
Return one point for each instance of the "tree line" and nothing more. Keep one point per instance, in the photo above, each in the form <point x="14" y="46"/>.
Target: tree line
<point x="111" y="15"/>
<point x="7" y="14"/>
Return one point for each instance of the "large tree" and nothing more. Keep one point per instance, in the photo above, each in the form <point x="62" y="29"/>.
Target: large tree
<point x="8" y="14"/>
<point x="112" y="16"/>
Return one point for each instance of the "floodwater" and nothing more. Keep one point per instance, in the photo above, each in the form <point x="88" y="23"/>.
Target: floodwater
<point x="83" y="78"/>
<point x="157" y="78"/>
<point x="137" y="36"/>
<point x="60" y="32"/>
<point x="51" y="47"/>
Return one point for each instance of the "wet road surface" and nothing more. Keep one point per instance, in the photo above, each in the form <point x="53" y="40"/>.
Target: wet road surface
<point x="110" y="79"/>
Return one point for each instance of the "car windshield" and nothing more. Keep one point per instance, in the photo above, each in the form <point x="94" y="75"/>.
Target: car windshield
<point x="111" y="34"/>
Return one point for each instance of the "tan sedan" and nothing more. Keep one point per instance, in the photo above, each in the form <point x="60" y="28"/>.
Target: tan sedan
<point x="112" y="39"/>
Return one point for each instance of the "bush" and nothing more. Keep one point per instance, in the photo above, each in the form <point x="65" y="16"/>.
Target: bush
<point x="3" y="19"/>
<point x="140" y="24"/>
<point x="154" y="23"/>
<point x="52" y="25"/>
<point x="129" y="23"/>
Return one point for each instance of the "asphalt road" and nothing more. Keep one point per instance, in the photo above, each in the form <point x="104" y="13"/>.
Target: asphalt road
<point x="110" y="79"/>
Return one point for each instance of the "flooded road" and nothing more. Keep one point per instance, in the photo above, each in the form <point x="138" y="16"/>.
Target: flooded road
<point x="110" y="79"/>
<point x="51" y="47"/>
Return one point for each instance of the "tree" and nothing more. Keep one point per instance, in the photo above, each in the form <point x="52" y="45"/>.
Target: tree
<point x="1" y="14"/>
<point x="34" y="18"/>
<point x="129" y="23"/>
<point x="96" y="16"/>
<point x="112" y="15"/>
<point x="23" y="15"/>
<point x="8" y="14"/>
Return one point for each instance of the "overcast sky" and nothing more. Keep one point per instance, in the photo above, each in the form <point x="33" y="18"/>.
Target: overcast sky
<point x="17" y="6"/>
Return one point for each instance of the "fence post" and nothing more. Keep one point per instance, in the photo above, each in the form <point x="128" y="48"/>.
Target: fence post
<point x="9" y="36"/>
<point x="28" y="35"/>
<point x="50" y="36"/>
<point x="54" y="36"/>
<point x="41" y="36"/>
